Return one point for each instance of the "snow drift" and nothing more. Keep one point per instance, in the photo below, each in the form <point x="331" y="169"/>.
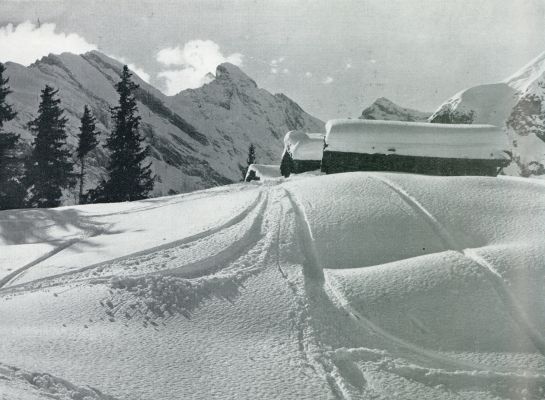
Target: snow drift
<point x="416" y="139"/>
<point x="356" y="286"/>
<point x="263" y="171"/>
<point x="304" y="146"/>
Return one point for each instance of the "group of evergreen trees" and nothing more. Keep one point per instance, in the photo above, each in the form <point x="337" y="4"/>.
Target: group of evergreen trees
<point x="38" y="179"/>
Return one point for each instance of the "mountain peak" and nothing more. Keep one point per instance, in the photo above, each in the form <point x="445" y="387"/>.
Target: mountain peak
<point x="198" y="138"/>
<point x="228" y="72"/>
<point x="385" y="109"/>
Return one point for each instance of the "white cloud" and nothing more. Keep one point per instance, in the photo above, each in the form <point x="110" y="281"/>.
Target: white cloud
<point x="277" y="61"/>
<point x="327" y="80"/>
<point x="26" y="42"/>
<point x="348" y="66"/>
<point x="196" y="59"/>
<point x="274" y="70"/>
<point x="373" y="61"/>
<point x="285" y="71"/>
<point x="134" y="68"/>
<point x="308" y="74"/>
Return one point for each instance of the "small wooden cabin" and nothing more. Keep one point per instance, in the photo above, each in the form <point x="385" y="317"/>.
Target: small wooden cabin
<point x="420" y="148"/>
<point x="304" y="151"/>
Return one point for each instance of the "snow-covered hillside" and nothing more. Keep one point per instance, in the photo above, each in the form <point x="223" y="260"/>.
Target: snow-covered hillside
<point x="516" y="104"/>
<point x="199" y="138"/>
<point x="384" y="109"/>
<point x="353" y="286"/>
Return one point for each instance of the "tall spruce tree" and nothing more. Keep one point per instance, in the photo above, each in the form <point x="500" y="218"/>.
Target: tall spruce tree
<point x="11" y="190"/>
<point x="87" y="142"/>
<point x="49" y="167"/>
<point x="128" y="178"/>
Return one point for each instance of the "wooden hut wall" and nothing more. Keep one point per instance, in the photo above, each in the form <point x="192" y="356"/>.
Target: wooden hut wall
<point x="335" y="162"/>
<point x="300" y="166"/>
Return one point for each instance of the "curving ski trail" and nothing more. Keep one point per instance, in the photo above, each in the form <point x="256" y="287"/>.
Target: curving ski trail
<point x="495" y="278"/>
<point x="62" y="277"/>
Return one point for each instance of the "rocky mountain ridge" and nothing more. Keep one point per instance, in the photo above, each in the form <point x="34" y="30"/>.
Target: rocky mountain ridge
<point x="384" y="109"/>
<point x="198" y="138"/>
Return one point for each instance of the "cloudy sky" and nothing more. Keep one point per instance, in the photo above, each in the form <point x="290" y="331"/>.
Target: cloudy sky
<point x="334" y="57"/>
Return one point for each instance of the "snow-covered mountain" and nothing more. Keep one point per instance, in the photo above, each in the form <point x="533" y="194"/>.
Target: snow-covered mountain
<point x="516" y="104"/>
<point x="384" y="109"/>
<point x="199" y="138"/>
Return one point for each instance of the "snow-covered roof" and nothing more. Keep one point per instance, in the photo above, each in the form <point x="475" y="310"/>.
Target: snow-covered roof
<point x="304" y="146"/>
<point x="264" y="172"/>
<point x="416" y="139"/>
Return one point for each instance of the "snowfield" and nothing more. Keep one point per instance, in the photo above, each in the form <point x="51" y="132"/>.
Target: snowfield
<point x="352" y="286"/>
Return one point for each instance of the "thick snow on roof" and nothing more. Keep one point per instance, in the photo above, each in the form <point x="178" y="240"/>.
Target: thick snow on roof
<point x="304" y="146"/>
<point x="416" y="139"/>
<point x="369" y="285"/>
<point x="264" y="171"/>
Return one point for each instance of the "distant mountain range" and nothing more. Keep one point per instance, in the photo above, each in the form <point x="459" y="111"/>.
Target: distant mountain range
<point x="199" y="138"/>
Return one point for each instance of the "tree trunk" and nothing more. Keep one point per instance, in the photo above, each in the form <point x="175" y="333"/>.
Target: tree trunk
<point x="81" y="181"/>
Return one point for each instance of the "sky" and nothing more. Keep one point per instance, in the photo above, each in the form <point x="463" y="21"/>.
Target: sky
<point x="333" y="57"/>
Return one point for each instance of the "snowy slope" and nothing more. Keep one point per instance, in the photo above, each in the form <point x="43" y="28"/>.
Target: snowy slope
<point x="199" y="138"/>
<point x="516" y="104"/>
<point x="384" y="109"/>
<point x="354" y="286"/>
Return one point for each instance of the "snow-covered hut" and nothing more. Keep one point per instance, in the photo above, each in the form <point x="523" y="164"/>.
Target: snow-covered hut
<point x="304" y="151"/>
<point x="422" y="148"/>
<point x="257" y="172"/>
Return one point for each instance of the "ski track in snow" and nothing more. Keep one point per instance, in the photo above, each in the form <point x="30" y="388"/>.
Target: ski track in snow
<point x="13" y="276"/>
<point x="495" y="278"/>
<point x="148" y="253"/>
<point x="313" y="266"/>
<point x="142" y="287"/>
<point x="37" y="386"/>
<point x="447" y="372"/>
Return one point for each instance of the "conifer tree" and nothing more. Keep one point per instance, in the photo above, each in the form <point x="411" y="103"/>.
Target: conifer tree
<point x="87" y="142"/>
<point x="250" y="160"/>
<point x="286" y="165"/>
<point x="11" y="189"/>
<point x="49" y="167"/>
<point x="128" y="178"/>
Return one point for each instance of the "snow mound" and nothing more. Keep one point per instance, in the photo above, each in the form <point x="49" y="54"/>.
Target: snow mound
<point x="264" y="172"/>
<point x="416" y="139"/>
<point x="304" y="146"/>
<point x="356" y="285"/>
